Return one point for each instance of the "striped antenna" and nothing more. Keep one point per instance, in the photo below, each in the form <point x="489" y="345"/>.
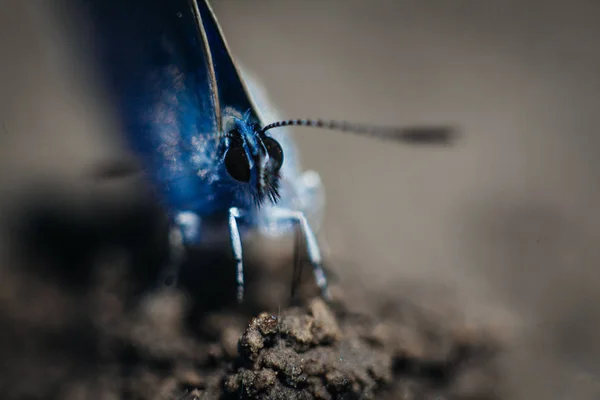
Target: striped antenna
<point x="436" y="135"/>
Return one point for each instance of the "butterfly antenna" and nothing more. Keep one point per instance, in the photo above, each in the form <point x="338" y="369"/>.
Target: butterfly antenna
<point x="436" y="135"/>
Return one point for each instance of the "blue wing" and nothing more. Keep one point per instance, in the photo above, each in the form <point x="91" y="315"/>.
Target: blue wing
<point x="173" y="78"/>
<point x="156" y="61"/>
<point x="232" y="91"/>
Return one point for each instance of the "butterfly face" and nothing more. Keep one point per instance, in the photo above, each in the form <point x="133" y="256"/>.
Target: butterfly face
<point x="254" y="160"/>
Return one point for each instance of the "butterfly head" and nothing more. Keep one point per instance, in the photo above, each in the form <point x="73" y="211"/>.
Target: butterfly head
<point x="253" y="159"/>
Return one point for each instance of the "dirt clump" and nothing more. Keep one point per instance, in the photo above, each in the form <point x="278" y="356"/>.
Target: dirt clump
<point x="93" y="345"/>
<point x="97" y="335"/>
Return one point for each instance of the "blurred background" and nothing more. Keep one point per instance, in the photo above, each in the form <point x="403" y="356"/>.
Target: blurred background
<point x="505" y="220"/>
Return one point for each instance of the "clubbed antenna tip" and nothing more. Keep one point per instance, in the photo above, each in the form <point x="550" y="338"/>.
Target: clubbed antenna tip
<point x="435" y="135"/>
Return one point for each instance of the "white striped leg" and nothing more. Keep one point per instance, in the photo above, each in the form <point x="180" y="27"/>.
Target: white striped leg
<point x="236" y="246"/>
<point x="185" y="228"/>
<point x="312" y="246"/>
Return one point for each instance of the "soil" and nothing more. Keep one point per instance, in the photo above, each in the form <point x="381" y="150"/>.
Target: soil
<point x="80" y="321"/>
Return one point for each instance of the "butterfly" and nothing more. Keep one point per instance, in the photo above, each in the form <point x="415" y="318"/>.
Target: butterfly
<point x="203" y="131"/>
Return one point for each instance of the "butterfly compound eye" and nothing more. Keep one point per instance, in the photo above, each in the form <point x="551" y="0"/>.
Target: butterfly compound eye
<point x="237" y="164"/>
<point x="275" y="152"/>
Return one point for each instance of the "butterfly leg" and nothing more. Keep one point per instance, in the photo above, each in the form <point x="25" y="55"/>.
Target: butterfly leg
<point x="312" y="246"/>
<point x="184" y="229"/>
<point x="297" y="271"/>
<point x="236" y="245"/>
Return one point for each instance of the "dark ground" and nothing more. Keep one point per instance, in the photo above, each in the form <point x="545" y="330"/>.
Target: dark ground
<point x="79" y="323"/>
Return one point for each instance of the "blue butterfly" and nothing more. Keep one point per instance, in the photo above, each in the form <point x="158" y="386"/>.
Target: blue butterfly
<point x="199" y="128"/>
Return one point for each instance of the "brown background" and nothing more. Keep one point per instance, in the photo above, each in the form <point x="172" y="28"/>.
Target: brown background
<point x="507" y="219"/>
